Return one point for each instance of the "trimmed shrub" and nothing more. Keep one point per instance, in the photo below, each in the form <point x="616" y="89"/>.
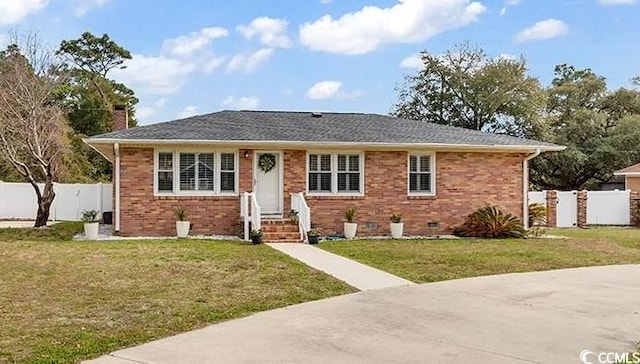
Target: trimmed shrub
<point x="490" y="222"/>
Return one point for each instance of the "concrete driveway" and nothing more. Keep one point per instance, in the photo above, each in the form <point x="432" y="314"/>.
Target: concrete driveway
<point x="546" y="317"/>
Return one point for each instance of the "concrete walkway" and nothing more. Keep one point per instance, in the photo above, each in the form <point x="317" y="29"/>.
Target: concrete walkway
<point x="545" y="317"/>
<point x="358" y="275"/>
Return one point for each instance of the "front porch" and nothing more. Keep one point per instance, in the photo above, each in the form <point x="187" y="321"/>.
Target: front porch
<point x="275" y="228"/>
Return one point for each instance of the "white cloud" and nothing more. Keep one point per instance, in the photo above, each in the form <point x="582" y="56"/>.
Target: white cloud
<point x="83" y="6"/>
<point x="507" y="4"/>
<point x="12" y="11"/>
<point x="214" y="63"/>
<point x="409" y="21"/>
<point x="187" y="112"/>
<point x="326" y="1"/>
<point x="271" y="32"/>
<point x="249" y="62"/>
<point x="144" y="113"/>
<point x="185" y="45"/>
<point x="154" y="75"/>
<point x="413" y="61"/>
<point x="545" y="29"/>
<point x="324" y="90"/>
<point x="616" y="2"/>
<point x="242" y="103"/>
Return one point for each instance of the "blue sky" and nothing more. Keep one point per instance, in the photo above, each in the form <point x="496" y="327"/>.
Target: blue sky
<point x="197" y="56"/>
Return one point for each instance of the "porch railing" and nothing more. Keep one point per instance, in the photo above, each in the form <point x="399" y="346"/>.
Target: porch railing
<point x="250" y="214"/>
<point x="299" y="204"/>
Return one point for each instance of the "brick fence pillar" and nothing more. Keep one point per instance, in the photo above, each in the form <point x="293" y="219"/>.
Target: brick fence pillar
<point x="582" y="208"/>
<point x="552" y="207"/>
<point x="634" y="202"/>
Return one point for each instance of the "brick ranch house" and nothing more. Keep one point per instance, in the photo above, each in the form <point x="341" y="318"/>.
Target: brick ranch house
<point x="433" y="175"/>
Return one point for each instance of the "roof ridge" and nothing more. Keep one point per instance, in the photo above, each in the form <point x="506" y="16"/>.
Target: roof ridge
<point x="301" y="112"/>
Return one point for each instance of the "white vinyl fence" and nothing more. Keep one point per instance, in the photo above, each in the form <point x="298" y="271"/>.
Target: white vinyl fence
<point x="18" y="200"/>
<point x="603" y="207"/>
<point x="538" y="197"/>
<point x="608" y="208"/>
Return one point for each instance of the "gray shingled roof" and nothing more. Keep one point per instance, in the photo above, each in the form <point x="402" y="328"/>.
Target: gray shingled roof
<point x="276" y="126"/>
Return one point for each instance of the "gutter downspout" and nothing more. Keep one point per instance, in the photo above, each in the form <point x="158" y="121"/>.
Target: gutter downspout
<point x="116" y="186"/>
<point x="525" y="187"/>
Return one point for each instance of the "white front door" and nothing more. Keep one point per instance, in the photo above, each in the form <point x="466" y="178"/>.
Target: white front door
<point x="268" y="185"/>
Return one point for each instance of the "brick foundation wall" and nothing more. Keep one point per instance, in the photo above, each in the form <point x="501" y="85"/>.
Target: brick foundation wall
<point x="464" y="182"/>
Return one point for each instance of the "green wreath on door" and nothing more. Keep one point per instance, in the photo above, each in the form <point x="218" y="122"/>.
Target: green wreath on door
<point x="266" y="162"/>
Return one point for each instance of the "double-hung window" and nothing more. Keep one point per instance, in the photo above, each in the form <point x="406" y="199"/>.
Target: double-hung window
<point x="165" y="172"/>
<point x="196" y="173"/>
<point x="227" y="172"/>
<point x="421" y="174"/>
<point x="348" y="173"/>
<point x="335" y="173"/>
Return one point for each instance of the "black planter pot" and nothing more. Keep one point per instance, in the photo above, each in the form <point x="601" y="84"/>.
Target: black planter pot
<point x="313" y="239"/>
<point x="256" y="239"/>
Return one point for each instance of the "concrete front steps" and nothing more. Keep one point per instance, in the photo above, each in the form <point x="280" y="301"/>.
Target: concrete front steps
<point x="280" y="231"/>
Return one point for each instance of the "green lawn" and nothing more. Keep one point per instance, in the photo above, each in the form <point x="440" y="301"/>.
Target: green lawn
<point x="63" y="301"/>
<point x="436" y="260"/>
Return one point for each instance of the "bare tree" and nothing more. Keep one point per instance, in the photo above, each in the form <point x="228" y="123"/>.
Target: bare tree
<point x="33" y="130"/>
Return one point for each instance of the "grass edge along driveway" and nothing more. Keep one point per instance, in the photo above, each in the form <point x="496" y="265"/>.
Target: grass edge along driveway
<point x="424" y="261"/>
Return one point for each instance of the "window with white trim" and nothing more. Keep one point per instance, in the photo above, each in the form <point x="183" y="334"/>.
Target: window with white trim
<point x="196" y="173"/>
<point x="165" y="172"/>
<point x="320" y="173"/>
<point x="227" y="172"/>
<point x="335" y="173"/>
<point x="421" y="174"/>
<point x="348" y="173"/>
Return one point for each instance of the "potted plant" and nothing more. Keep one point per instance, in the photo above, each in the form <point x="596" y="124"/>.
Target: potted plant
<point x="396" y="226"/>
<point x="91" y="224"/>
<point x="182" y="225"/>
<point x="313" y="236"/>
<point x="256" y="236"/>
<point x="350" y="227"/>
<point x="294" y="216"/>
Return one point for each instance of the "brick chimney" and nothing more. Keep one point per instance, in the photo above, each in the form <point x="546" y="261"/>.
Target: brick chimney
<point x="120" y="118"/>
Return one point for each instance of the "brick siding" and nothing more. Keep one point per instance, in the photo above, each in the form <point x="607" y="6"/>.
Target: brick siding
<point x="464" y="182"/>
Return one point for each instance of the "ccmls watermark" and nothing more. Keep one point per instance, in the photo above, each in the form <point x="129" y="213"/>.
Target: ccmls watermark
<point x="590" y="357"/>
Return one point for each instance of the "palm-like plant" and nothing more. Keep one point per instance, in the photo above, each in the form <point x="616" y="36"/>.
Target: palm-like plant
<point x="490" y="222"/>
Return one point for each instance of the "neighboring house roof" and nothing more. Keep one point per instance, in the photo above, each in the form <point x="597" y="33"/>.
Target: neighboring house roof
<point x="633" y="170"/>
<point x="306" y="128"/>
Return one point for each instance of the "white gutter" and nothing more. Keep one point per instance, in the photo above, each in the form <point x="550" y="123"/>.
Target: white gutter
<point x="116" y="187"/>
<point x="250" y="143"/>
<point x="525" y="187"/>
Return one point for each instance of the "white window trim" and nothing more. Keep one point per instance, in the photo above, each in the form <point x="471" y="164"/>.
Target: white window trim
<point x="176" y="172"/>
<point x="433" y="170"/>
<point x="334" y="173"/>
